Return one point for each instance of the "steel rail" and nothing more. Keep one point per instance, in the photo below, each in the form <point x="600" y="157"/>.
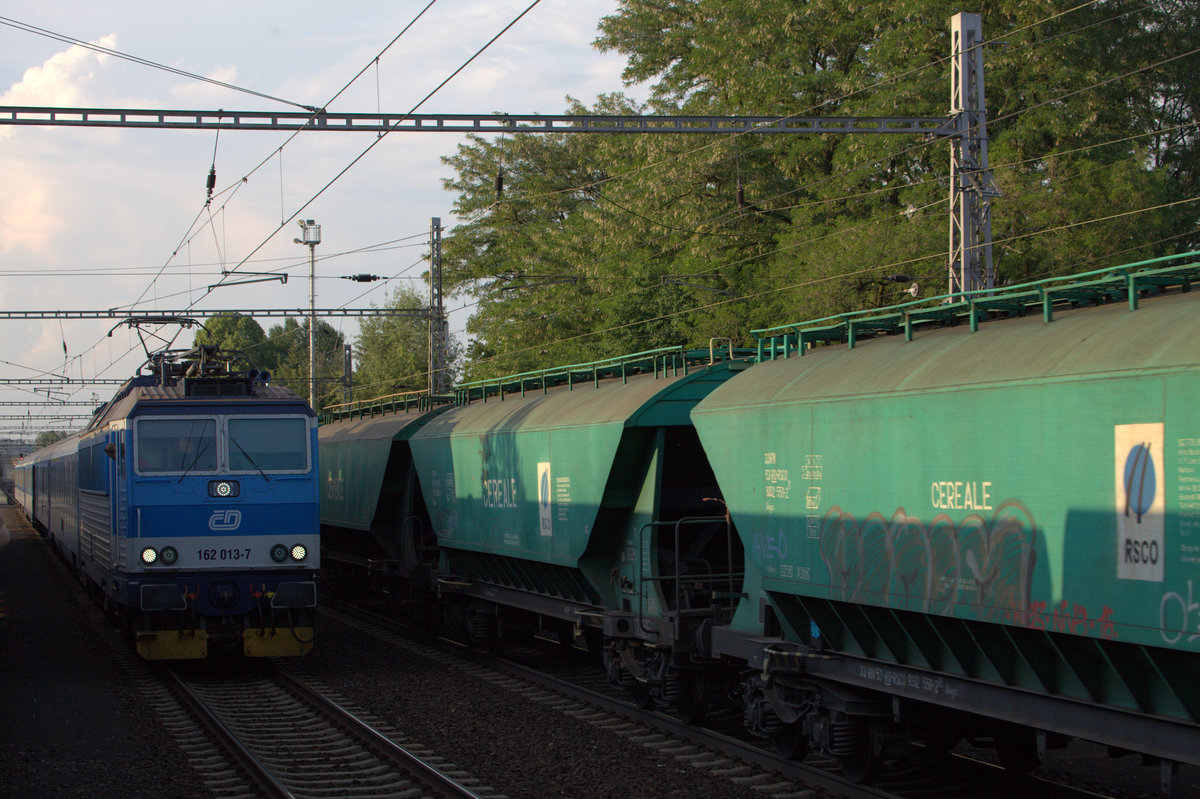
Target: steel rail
<point x="812" y="777"/>
<point x="809" y="776"/>
<point x="253" y="767"/>
<point x="431" y="777"/>
<point x="409" y="767"/>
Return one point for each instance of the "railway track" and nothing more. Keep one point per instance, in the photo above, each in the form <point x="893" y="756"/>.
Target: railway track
<point x="720" y="747"/>
<point x="761" y="769"/>
<point x="293" y="741"/>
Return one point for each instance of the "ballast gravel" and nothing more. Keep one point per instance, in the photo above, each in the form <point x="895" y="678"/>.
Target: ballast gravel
<point x="516" y="745"/>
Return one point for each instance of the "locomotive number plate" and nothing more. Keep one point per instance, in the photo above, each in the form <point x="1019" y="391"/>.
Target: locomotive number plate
<point x="242" y="553"/>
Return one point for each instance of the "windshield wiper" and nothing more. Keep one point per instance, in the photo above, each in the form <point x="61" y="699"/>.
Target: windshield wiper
<point x="192" y="465"/>
<point x="197" y="430"/>
<point x="247" y="454"/>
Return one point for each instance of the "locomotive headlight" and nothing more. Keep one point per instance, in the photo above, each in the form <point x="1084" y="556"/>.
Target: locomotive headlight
<point x="170" y="555"/>
<point x="149" y="555"/>
<point x="224" y="489"/>
<point x="299" y="552"/>
<point x="279" y="553"/>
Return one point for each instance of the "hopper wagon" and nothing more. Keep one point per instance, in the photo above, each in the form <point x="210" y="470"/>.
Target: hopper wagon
<point x="578" y="501"/>
<point x="958" y="528"/>
<point x="376" y="535"/>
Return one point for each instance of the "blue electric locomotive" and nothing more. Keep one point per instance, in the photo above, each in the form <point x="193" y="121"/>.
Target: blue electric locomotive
<point x="190" y="503"/>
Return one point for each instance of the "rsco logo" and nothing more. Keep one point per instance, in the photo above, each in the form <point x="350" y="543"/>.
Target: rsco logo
<point x="225" y="520"/>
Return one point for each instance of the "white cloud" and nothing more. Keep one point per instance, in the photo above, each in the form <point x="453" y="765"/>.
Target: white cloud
<point x="118" y="202"/>
<point x="28" y="220"/>
<point x="195" y="91"/>
<point x="62" y="79"/>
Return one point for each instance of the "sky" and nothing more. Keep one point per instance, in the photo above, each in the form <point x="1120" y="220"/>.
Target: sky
<point x="99" y="218"/>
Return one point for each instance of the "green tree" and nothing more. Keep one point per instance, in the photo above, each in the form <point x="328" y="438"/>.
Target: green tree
<point x="282" y="351"/>
<point x="286" y="351"/>
<point x="47" y="437"/>
<point x="392" y="352"/>
<point x="238" y="333"/>
<point x="623" y="242"/>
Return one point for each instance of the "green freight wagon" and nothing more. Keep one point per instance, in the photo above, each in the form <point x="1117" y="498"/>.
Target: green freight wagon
<point x="573" y="499"/>
<point x="375" y="530"/>
<point x="979" y="527"/>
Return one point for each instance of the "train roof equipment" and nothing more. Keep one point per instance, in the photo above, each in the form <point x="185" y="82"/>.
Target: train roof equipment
<point x="204" y="371"/>
<point x="1102" y="286"/>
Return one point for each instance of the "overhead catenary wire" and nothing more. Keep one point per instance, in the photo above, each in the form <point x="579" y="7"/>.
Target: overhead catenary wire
<point x="916" y="147"/>
<point x="232" y="189"/>
<point x="765" y="293"/>
<point x="362" y="154"/>
<point x="61" y="37"/>
<point x="425" y="99"/>
<point x="593" y="185"/>
<point x="397" y="124"/>
<point x="1084" y="4"/>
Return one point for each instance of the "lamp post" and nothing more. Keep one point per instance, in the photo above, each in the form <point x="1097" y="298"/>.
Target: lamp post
<point x="312" y="237"/>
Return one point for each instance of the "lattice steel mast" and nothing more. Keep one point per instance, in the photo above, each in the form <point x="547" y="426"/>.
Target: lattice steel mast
<point x="971" y="186"/>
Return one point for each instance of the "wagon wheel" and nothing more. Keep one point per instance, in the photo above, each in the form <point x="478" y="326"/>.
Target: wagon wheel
<point x="642" y="696"/>
<point x="791" y="742"/>
<point x="693" y="705"/>
<point x="863" y="765"/>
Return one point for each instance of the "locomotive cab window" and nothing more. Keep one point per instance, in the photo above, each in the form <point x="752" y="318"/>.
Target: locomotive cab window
<point x="176" y="445"/>
<point x="268" y="444"/>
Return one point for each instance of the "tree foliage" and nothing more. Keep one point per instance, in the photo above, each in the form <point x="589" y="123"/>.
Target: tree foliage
<point x="288" y="348"/>
<point x="235" y="332"/>
<point x="283" y="351"/>
<point x="392" y="352"/>
<point x="605" y="244"/>
<point x="48" y="437"/>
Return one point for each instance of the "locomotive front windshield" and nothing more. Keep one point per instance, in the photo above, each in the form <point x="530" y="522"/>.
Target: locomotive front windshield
<point x="269" y="445"/>
<point x="209" y="445"/>
<point x="177" y="445"/>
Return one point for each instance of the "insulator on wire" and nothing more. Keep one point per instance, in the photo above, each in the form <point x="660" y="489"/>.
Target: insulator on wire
<point x="212" y="180"/>
<point x="741" y="195"/>
<point x="499" y="183"/>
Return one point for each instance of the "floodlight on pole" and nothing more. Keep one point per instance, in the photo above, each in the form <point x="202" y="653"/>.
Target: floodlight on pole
<point x="311" y="237"/>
